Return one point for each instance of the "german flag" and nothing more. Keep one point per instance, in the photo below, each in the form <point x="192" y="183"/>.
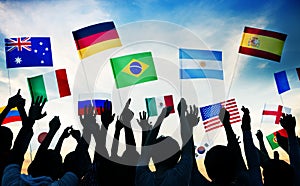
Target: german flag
<point x="96" y="38"/>
<point x="262" y="43"/>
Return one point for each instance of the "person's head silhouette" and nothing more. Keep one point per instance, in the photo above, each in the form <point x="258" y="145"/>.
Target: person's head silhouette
<point x="165" y="153"/>
<point x="6" y="138"/>
<point x="220" y="165"/>
<point x="278" y="172"/>
<point x="76" y="162"/>
<point x="48" y="163"/>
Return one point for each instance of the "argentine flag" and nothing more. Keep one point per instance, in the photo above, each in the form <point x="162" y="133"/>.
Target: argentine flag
<point x="200" y="64"/>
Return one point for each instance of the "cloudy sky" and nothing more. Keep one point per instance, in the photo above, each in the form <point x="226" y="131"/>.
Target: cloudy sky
<point x="160" y="26"/>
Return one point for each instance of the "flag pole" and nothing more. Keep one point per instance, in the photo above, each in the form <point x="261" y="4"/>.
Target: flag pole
<point x="262" y="117"/>
<point x="180" y="84"/>
<point x="281" y="99"/>
<point x="9" y="85"/>
<point x="30" y="152"/>
<point x="233" y="75"/>
<point x="86" y="78"/>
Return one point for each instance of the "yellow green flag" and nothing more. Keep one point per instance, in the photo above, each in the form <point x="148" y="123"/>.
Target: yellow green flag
<point x="133" y="69"/>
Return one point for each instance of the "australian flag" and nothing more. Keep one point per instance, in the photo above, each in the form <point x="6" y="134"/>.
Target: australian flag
<point x="28" y="52"/>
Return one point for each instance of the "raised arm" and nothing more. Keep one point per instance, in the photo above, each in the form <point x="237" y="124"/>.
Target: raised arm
<point x="146" y="149"/>
<point x="288" y="122"/>
<point x="250" y="150"/>
<point x="115" y="143"/>
<point x="14" y="101"/>
<point x="263" y="153"/>
<point x="188" y="119"/>
<point x="24" y="136"/>
<point x="145" y="125"/>
<point x="233" y="140"/>
<point x="54" y="125"/>
<point x="65" y="134"/>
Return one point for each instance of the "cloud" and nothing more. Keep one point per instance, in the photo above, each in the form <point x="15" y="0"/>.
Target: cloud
<point x="262" y="65"/>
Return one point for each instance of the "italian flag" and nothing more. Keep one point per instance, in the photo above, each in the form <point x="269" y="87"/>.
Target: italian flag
<point x="51" y="85"/>
<point x="156" y="104"/>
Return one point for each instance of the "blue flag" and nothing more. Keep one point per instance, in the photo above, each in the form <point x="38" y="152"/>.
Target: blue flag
<point x="282" y="82"/>
<point x="287" y="80"/>
<point x="200" y="64"/>
<point x="28" y="52"/>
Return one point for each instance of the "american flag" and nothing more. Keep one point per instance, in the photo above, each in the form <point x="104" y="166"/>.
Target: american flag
<point x="210" y="114"/>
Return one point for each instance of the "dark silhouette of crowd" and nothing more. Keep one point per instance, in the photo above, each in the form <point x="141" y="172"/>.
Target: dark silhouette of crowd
<point x="174" y="165"/>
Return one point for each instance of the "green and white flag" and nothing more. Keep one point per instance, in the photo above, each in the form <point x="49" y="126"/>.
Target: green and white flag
<point x="51" y="85"/>
<point x="156" y="104"/>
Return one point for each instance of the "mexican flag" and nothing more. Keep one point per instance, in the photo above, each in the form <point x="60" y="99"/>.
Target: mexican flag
<point x="51" y="85"/>
<point x="156" y="104"/>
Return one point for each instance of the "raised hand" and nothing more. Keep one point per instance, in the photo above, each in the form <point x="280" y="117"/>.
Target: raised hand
<point x="16" y="101"/>
<point x="106" y="116"/>
<point x="192" y="116"/>
<point x="35" y="111"/>
<point x="144" y="121"/>
<point x="224" y="116"/>
<point x="54" y="124"/>
<point x="288" y="122"/>
<point x="89" y="117"/>
<point x="75" y="134"/>
<point x="126" y="115"/>
<point x="67" y="132"/>
<point x="259" y="135"/>
<point x="181" y="107"/>
<point x="246" y="119"/>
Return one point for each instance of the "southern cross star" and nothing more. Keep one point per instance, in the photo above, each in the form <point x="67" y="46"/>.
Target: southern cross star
<point x="18" y="60"/>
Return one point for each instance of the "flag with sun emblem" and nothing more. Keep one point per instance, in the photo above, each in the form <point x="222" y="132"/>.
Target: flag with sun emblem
<point x="133" y="69"/>
<point x="28" y="52"/>
<point x="200" y="64"/>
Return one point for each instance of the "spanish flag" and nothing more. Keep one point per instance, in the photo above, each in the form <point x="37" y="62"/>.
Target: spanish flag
<point x="96" y="38"/>
<point x="262" y="43"/>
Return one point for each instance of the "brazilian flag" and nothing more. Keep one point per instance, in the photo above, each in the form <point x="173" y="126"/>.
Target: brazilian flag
<point x="133" y="69"/>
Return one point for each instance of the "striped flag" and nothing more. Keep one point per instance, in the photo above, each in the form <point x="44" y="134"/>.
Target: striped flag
<point x="210" y="114"/>
<point x="51" y="85"/>
<point x="262" y="43"/>
<point x="12" y="116"/>
<point x="96" y="38"/>
<point x="272" y="113"/>
<point x="200" y="64"/>
<point x="156" y="104"/>
<point x="287" y="79"/>
<point x="97" y="103"/>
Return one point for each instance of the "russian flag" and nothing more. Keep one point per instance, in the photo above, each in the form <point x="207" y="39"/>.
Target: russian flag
<point x="12" y="116"/>
<point x="97" y="103"/>
<point x="287" y="80"/>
